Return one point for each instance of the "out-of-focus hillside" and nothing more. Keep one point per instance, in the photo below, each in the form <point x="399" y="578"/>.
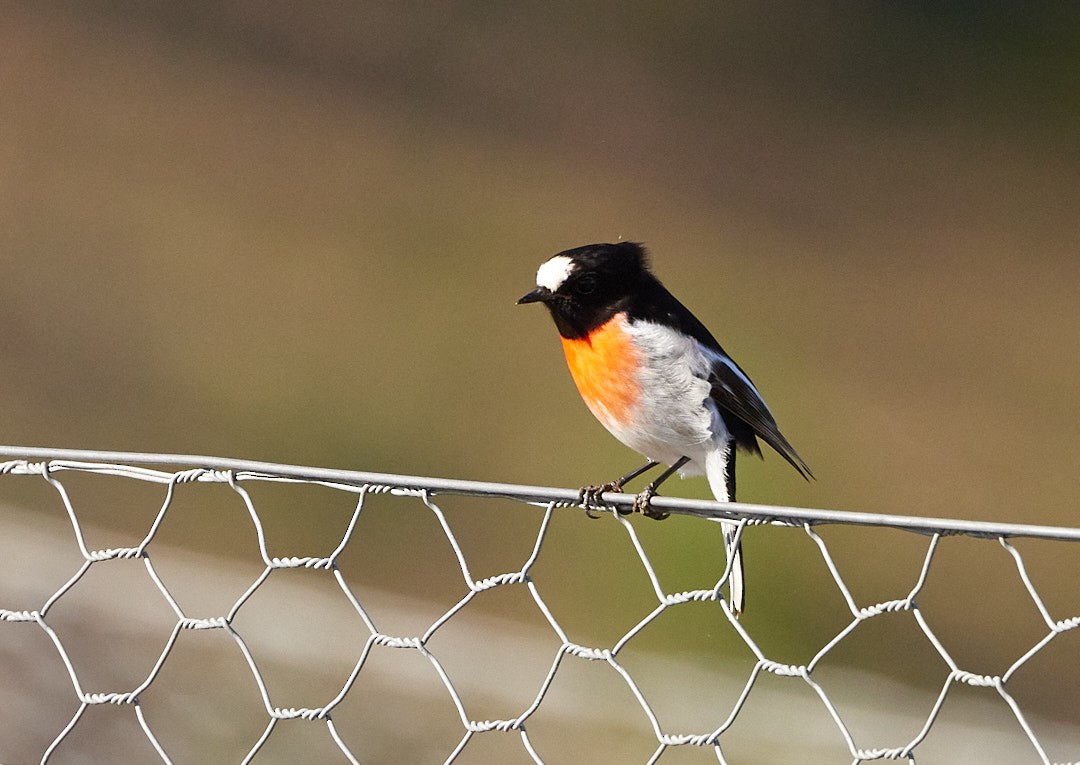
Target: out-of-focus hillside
<point x="246" y="229"/>
<point x="296" y="233"/>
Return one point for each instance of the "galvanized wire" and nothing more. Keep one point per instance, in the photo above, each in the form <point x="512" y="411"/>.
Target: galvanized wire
<point x="52" y="464"/>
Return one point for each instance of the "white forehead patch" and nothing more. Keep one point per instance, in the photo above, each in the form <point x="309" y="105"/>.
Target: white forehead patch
<point x="554" y="272"/>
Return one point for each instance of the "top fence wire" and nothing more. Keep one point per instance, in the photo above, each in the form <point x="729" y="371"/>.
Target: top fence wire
<point x="681" y="675"/>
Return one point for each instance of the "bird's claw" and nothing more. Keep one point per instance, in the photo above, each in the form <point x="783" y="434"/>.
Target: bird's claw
<point x="589" y="496"/>
<point x="643" y="505"/>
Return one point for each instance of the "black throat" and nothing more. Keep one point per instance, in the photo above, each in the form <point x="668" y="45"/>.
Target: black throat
<point x="576" y="321"/>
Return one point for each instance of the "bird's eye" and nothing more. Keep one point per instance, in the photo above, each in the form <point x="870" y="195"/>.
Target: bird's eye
<point x="586" y="285"/>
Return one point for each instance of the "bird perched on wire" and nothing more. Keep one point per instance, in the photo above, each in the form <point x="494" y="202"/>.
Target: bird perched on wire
<point x="655" y="378"/>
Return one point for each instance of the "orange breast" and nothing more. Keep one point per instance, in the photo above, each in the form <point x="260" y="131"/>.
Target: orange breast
<point x="604" y="366"/>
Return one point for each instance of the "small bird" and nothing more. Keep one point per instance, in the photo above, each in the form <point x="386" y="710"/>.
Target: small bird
<point x="655" y="378"/>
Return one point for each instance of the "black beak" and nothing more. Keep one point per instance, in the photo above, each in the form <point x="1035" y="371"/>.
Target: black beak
<point x="538" y="295"/>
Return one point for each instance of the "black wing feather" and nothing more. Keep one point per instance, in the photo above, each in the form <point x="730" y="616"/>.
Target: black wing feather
<point x="732" y="394"/>
<point x="744" y="413"/>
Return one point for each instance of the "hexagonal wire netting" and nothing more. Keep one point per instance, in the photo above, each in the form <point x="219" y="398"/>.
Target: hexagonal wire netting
<point x="55" y="466"/>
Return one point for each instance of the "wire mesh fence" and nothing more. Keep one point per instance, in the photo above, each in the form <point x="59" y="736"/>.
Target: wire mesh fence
<point x="463" y="670"/>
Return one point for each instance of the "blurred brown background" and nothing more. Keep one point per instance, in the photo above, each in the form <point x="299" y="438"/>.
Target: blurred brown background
<point x="296" y="233"/>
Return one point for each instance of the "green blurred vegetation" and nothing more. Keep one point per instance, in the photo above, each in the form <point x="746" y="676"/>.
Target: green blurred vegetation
<point x="296" y="233"/>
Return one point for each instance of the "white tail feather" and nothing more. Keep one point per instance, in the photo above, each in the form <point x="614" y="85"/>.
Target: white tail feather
<point x="736" y="582"/>
<point x="716" y="471"/>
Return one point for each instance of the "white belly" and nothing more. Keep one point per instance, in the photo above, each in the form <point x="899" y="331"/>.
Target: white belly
<point x="675" y="416"/>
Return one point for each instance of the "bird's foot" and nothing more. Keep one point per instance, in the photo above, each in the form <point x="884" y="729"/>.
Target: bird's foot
<point x="643" y="505"/>
<point x="589" y="496"/>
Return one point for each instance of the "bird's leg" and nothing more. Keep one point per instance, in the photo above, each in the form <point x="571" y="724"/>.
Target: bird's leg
<point x="643" y="501"/>
<point x="588" y="495"/>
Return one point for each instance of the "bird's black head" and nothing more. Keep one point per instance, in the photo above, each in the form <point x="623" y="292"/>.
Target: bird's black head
<point x="586" y="286"/>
